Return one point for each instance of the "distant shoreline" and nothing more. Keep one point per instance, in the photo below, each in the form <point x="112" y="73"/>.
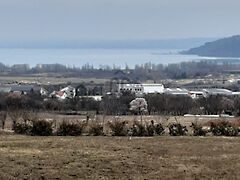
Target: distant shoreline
<point x="93" y="57"/>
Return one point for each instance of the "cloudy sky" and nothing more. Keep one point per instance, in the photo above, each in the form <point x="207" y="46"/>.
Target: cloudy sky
<point x="122" y="19"/>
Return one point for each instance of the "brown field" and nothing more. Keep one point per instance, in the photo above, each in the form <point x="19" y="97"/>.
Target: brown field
<point x="85" y="157"/>
<point x="45" y="79"/>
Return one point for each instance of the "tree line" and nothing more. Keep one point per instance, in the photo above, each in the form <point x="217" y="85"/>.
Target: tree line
<point x="147" y="71"/>
<point x="157" y="104"/>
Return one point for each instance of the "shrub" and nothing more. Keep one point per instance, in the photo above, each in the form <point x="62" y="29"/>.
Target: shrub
<point x="70" y="129"/>
<point x="147" y="130"/>
<point x="177" y="129"/>
<point x="134" y="130"/>
<point x="96" y="129"/>
<point x="223" y="128"/>
<point x="197" y="130"/>
<point x="140" y="130"/>
<point x="41" y="128"/>
<point x="150" y="129"/>
<point x="118" y="128"/>
<point x="159" y="129"/>
<point x="215" y="121"/>
<point x="22" y="128"/>
<point x="235" y="123"/>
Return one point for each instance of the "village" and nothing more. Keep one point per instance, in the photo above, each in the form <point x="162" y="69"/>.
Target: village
<point x="142" y="117"/>
<point x="139" y="90"/>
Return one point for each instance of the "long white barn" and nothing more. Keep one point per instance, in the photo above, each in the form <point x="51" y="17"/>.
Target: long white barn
<point x="141" y="88"/>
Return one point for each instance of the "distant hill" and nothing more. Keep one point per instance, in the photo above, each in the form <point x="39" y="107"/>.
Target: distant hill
<point x="226" y="47"/>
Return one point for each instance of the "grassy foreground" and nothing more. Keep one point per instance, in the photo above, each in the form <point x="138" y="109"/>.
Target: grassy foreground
<point x="25" y="157"/>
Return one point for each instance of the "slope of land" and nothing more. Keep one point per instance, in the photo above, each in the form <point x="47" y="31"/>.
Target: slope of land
<point x="25" y="157"/>
<point x="226" y="47"/>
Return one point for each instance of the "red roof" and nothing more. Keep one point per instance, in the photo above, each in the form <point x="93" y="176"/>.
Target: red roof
<point x="15" y="94"/>
<point x="60" y="93"/>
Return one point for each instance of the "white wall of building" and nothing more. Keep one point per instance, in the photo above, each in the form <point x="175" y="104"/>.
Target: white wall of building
<point x="141" y="88"/>
<point x="153" y="88"/>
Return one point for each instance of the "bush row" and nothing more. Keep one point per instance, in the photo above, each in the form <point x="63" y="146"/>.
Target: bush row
<point x="120" y="128"/>
<point x="45" y="128"/>
<point x="34" y="128"/>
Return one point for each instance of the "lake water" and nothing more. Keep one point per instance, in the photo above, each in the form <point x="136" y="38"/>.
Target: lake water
<point x="95" y="57"/>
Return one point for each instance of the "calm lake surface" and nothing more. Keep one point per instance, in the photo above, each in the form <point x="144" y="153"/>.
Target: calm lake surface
<point x="95" y="57"/>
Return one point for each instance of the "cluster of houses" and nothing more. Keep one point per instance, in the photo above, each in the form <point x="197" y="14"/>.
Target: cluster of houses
<point x="67" y="92"/>
<point x="139" y="89"/>
<point x="18" y="90"/>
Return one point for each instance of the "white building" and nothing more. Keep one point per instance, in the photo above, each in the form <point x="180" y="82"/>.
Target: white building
<point x="59" y="95"/>
<point x="196" y="94"/>
<point x="153" y="88"/>
<point x="225" y="92"/>
<point x="141" y="88"/>
<point x="96" y="98"/>
<point x="68" y="92"/>
<point x="176" y="91"/>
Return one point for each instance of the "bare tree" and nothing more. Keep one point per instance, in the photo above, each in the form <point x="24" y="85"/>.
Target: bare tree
<point x="15" y="115"/>
<point x="28" y="116"/>
<point x="3" y="118"/>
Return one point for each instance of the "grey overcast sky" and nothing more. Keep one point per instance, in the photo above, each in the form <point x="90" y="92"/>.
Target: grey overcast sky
<point x="118" y="19"/>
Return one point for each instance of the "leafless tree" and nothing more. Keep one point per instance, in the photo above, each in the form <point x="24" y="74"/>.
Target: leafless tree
<point x="3" y="117"/>
<point x="28" y="116"/>
<point x="15" y="116"/>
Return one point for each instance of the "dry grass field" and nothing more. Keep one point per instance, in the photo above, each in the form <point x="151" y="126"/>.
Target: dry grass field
<point x="85" y="157"/>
